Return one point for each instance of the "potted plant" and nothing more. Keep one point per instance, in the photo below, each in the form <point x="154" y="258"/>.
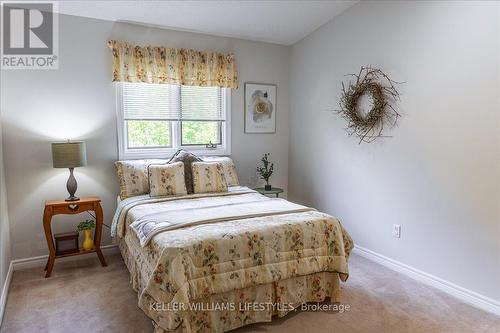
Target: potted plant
<point x="86" y="226"/>
<point x="266" y="170"/>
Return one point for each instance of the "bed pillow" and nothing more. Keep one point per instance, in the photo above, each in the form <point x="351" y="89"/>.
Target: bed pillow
<point x="166" y="179"/>
<point x="208" y="177"/>
<point x="133" y="178"/>
<point x="187" y="158"/>
<point x="229" y="168"/>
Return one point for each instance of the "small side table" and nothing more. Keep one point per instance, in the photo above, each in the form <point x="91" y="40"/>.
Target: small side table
<point x="56" y="207"/>
<point x="273" y="191"/>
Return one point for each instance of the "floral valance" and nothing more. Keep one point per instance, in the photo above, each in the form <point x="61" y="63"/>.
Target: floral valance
<point x="173" y="66"/>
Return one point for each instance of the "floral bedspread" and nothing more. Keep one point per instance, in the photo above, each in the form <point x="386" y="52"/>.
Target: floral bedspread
<point x="200" y="262"/>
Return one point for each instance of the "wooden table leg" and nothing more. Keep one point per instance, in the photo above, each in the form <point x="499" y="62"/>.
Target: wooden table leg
<point x="47" y="219"/>
<point x="98" y="232"/>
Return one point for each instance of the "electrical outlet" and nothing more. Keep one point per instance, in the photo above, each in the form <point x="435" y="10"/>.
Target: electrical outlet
<point x="396" y="231"/>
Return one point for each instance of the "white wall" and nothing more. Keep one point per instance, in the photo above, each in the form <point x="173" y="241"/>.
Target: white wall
<point x="78" y="101"/>
<point x="439" y="175"/>
<point x="5" y="254"/>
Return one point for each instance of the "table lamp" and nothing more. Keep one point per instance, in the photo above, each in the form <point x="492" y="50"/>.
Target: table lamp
<point x="70" y="154"/>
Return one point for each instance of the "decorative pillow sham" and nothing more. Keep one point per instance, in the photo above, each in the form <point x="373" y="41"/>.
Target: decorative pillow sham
<point x="229" y="168"/>
<point x="133" y="178"/>
<point x="166" y="179"/>
<point x="187" y="158"/>
<point x="208" y="177"/>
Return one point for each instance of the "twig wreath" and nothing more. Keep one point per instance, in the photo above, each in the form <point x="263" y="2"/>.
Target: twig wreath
<point x="380" y="87"/>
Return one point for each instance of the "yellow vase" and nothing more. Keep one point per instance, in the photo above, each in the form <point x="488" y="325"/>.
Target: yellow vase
<point x="88" y="243"/>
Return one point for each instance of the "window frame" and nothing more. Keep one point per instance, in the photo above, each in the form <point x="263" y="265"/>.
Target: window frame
<point x="126" y="153"/>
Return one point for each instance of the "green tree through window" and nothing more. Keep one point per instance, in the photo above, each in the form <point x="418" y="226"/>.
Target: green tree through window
<point x="148" y="133"/>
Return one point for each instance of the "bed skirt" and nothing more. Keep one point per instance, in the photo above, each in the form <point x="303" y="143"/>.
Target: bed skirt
<point x="237" y="308"/>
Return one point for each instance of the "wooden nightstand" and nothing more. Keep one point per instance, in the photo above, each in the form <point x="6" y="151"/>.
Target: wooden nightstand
<point x="273" y="191"/>
<point x="56" y="207"/>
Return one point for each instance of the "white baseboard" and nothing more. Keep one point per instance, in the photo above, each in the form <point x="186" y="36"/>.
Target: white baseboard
<point x="40" y="261"/>
<point x="5" y="291"/>
<point x="465" y="295"/>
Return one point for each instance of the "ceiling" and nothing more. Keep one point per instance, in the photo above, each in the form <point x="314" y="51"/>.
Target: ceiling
<point x="280" y="22"/>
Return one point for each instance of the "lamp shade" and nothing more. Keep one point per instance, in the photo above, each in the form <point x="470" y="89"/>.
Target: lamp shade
<point x="69" y="154"/>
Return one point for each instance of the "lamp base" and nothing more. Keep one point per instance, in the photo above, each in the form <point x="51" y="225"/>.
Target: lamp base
<point x="71" y="186"/>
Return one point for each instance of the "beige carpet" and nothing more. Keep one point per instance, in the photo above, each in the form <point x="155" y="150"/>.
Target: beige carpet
<point x="81" y="296"/>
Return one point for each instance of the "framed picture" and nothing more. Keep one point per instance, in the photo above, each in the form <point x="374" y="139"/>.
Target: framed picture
<point x="260" y="108"/>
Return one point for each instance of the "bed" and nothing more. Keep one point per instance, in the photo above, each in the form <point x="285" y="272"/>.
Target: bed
<point x="213" y="262"/>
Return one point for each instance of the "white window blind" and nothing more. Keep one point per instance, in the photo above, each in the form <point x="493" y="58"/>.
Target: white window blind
<point x="150" y="101"/>
<point x="202" y="103"/>
<point x="170" y="102"/>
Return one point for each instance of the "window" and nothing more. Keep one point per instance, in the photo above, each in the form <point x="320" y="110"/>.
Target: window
<point x="154" y="120"/>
